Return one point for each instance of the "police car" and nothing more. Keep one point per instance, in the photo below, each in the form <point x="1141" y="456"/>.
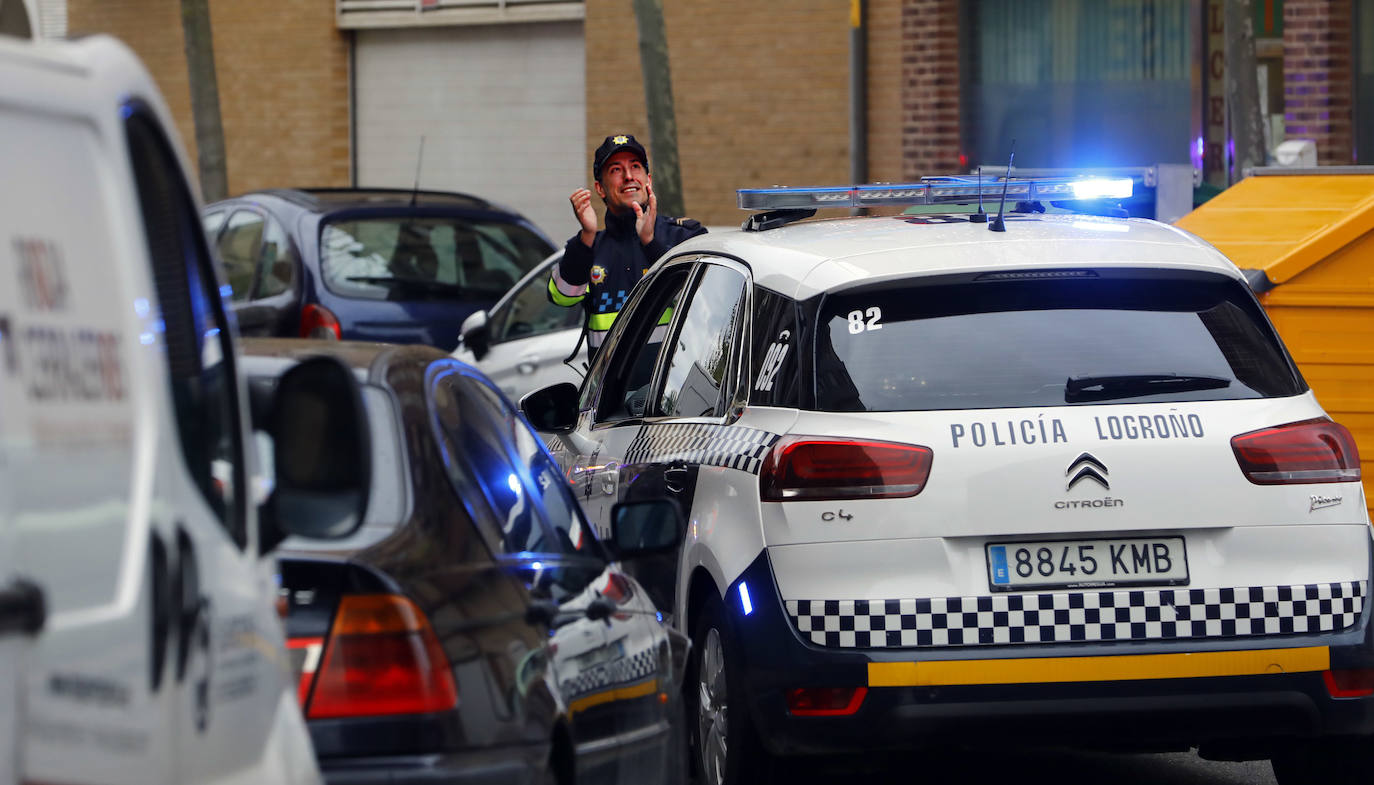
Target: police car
<point x="1056" y="482"/>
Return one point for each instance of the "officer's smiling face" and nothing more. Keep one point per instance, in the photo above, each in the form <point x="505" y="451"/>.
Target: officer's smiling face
<point x="623" y="180"/>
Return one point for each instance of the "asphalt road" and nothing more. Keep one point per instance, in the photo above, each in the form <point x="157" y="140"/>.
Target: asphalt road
<point x="1015" y="767"/>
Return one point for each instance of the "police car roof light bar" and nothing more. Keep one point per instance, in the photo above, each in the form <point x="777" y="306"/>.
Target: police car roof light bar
<point x="951" y="189"/>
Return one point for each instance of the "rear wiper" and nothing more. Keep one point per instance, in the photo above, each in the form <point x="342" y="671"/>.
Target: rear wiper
<point x="1102" y="388"/>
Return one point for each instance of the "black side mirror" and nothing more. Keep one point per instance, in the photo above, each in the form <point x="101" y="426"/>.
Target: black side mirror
<point x="476" y="334"/>
<point x="322" y="453"/>
<point x="552" y="409"/>
<point x="645" y="528"/>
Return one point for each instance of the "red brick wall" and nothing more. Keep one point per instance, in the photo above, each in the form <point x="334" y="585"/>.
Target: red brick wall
<point x="1318" y="76"/>
<point x="930" y="87"/>
<point x="282" y="69"/>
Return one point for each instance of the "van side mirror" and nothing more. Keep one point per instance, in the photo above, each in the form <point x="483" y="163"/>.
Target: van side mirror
<point x="552" y="409"/>
<point x="476" y="334"/>
<point x="322" y="454"/>
<point x="645" y="528"/>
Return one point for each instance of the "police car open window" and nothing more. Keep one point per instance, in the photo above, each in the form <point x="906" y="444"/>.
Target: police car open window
<point x="1001" y="341"/>
<point x="697" y="372"/>
<point x="635" y="347"/>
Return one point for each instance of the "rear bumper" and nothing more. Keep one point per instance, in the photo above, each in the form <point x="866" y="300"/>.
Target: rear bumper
<point x="1129" y="694"/>
<point x="503" y="766"/>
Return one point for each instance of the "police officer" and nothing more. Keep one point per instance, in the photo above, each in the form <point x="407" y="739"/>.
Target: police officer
<point x="599" y="268"/>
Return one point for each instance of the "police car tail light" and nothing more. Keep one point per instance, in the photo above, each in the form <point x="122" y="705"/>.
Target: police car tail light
<point x="825" y="701"/>
<point x="318" y="321"/>
<point x="382" y="658"/>
<point x="1310" y="451"/>
<point x="1355" y="683"/>
<point x="808" y="469"/>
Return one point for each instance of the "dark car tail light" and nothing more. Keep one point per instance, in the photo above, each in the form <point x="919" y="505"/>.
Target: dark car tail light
<point x="382" y="658"/>
<point x="1355" y="683"/>
<point x="1310" y="451"/>
<point x="809" y="469"/>
<point x="318" y="321"/>
<point x="825" y="701"/>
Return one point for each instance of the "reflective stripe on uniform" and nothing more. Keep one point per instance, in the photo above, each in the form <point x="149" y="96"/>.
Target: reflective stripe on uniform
<point x="564" y="293"/>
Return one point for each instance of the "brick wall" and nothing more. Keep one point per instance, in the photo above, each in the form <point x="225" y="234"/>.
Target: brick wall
<point x="1318" y="81"/>
<point x="885" y="90"/>
<point x="761" y="90"/>
<point x="282" y="69"/>
<point x="930" y="87"/>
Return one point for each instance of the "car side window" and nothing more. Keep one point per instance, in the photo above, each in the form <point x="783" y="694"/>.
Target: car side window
<point x="199" y="355"/>
<point x="624" y="388"/>
<point x="239" y="245"/>
<point x="698" y="367"/>
<point x="276" y="264"/>
<point x="529" y="313"/>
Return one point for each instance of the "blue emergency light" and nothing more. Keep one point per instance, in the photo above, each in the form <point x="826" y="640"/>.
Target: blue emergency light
<point x="957" y="189"/>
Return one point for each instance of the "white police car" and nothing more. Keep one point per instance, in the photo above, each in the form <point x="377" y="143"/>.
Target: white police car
<point x="1057" y="483"/>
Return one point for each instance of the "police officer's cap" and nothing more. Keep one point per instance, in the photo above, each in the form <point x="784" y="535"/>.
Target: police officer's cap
<point x="613" y="145"/>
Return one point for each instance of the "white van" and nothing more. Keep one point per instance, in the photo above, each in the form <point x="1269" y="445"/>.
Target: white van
<point x="139" y="640"/>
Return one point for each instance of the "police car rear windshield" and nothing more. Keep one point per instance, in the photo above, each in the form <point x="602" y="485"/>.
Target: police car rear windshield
<point x="1079" y="339"/>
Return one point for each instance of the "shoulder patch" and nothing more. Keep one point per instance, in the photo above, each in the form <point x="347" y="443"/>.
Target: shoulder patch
<point x="686" y="223"/>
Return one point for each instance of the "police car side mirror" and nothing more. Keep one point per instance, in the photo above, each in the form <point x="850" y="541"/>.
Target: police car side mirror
<point x="552" y="409"/>
<point x="476" y="334"/>
<point x="322" y="454"/>
<point x="645" y="528"/>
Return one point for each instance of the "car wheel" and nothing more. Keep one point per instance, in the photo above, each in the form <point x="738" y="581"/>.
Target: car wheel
<point x="725" y="748"/>
<point x="1343" y="760"/>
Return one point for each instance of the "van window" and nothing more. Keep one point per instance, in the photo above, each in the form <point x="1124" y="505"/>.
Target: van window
<point x="1123" y="338"/>
<point x="200" y="357"/>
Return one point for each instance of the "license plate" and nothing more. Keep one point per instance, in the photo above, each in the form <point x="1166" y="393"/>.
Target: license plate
<point x="1070" y="564"/>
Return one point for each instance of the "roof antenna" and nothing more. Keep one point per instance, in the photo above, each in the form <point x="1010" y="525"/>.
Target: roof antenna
<point x="997" y="225"/>
<point x="979" y="217"/>
<point x="415" y="193"/>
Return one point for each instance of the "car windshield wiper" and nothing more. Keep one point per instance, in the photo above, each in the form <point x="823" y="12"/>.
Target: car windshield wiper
<point x="1102" y="388"/>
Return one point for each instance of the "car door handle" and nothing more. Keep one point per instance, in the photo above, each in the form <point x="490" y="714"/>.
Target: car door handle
<point x="528" y="364"/>
<point x="23" y="609"/>
<point x="675" y="478"/>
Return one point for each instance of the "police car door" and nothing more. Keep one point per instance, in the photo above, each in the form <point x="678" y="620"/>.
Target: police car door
<point x="217" y="633"/>
<point x="686" y="410"/>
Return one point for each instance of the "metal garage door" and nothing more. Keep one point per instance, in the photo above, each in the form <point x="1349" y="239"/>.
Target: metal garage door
<point x="501" y="108"/>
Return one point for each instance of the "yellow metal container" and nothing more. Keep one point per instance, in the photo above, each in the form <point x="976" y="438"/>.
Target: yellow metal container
<point x="1312" y="236"/>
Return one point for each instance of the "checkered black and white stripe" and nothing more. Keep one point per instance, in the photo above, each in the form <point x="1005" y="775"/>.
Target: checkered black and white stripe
<point x="617" y="672"/>
<point x="731" y="446"/>
<point x="1141" y="614"/>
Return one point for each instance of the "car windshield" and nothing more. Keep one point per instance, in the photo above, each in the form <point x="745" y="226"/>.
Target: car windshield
<point x="1014" y="343"/>
<point x="408" y="257"/>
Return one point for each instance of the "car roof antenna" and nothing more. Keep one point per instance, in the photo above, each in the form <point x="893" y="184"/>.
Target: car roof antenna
<point x="415" y="193"/>
<point x="996" y="224"/>
<point x="979" y="217"/>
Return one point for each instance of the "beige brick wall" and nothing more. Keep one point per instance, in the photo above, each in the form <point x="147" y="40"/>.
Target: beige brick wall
<point x="282" y="69"/>
<point x="885" y="86"/>
<point x="1318" y="77"/>
<point x="761" y="91"/>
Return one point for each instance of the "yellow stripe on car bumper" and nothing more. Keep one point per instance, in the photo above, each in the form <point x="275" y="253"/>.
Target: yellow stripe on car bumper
<point x="1043" y="670"/>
